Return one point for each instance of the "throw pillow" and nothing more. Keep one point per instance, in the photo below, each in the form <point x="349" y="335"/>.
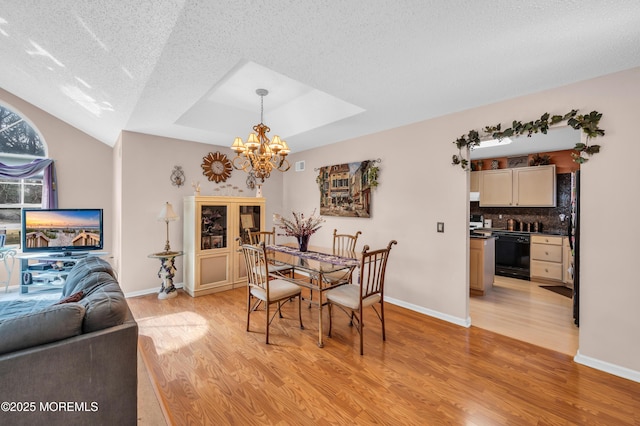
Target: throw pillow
<point x="105" y="307"/>
<point x="75" y="297"/>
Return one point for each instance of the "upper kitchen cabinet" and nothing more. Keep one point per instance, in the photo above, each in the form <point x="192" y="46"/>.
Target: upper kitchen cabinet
<point x="474" y="181"/>
<point x="520" y="187"/>
<point x="534" y="186"/>
<point x="496" y="188"/>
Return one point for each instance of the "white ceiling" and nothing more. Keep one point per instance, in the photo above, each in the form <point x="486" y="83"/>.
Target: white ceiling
<point x="335" y="69"/>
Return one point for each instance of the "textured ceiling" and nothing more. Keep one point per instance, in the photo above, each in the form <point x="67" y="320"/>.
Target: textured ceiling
<point x="162" y="67"/>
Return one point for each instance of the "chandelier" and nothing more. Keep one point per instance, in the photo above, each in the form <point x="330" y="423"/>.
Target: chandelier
<point x="259" y="155"/>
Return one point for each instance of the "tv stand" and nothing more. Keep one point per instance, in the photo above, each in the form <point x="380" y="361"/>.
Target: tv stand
<point x="74" y="254"/>
<point x="48" y="270"/>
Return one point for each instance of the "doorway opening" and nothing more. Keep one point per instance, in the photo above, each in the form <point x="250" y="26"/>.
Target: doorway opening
<point x="520" y="308"/>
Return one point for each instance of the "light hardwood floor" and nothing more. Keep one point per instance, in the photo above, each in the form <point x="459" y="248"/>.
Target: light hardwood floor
<point x="209" y="370"/>
<point x="524" y="311"/>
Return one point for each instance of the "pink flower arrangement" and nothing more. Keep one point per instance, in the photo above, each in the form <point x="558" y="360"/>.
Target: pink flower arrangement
<point x="299" y="226"/>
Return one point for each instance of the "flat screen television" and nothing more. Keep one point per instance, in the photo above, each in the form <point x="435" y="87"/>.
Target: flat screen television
<point x="62" y="231"/>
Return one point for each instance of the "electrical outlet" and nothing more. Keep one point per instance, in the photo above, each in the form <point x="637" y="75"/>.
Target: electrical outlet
<point x="440" y="226"/>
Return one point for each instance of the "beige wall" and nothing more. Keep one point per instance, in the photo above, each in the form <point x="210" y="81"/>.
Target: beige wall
<point x="83" y="164"/>
<point x="147" y="163"/>
<point x="418" y="187"/>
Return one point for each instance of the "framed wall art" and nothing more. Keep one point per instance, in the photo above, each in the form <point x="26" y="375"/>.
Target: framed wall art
<point x="345" y="189"/>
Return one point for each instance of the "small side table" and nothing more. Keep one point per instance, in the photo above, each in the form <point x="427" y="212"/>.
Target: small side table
<point x="167" y="272"/>
<point x="8" y="255"/>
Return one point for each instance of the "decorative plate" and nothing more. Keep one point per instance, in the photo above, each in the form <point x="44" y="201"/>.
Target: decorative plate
<point x="216" y="167"/>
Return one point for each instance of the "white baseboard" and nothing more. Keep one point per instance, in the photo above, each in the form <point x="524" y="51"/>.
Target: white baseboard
<point x="616" y="370"/>
<point x="445" y="317"/>
<point x="148" y="291"/>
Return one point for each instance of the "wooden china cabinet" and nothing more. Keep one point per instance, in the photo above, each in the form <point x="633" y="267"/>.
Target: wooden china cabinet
<point x="212" y="262"/>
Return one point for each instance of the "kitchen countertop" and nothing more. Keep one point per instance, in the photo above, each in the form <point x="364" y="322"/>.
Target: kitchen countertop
<point x="481" y="237"/>
<point x="550" y="232"/>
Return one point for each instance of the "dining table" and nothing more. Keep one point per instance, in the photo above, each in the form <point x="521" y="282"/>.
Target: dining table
<point x="312" y="269"/>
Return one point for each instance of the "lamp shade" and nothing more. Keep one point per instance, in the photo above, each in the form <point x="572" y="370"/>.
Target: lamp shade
<point x="167" y="214"/>
<point x="238" y="146"/>
<point x="252" y="141"/>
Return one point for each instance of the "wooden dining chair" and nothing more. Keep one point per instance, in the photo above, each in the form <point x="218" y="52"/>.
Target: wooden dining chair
<point x="266" y="237"/>
<point x="263" y="289"/>
<point x="369" y="291"/>
<point x="269" y="238"/>
<point x="343" y="245"/>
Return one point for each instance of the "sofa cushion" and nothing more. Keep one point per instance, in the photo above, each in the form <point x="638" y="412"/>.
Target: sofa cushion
<point x="105" y="306"/>
<point x="26" y="305"/>
<point x="87" y="274"/>
<point x="44" y="326"/>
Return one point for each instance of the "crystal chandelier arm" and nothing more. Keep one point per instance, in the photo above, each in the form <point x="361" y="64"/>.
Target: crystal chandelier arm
<point x="283" y="162"/>
<point x="259" y="155"/>
<point x="241" y="163"/>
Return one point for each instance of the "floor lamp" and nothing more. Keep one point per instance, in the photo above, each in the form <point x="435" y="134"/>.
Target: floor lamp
<point x="167" y="257"/>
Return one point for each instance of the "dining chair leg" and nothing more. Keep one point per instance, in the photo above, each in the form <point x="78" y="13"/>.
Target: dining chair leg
<point x="329" y="309"/>
<point x="267" y="304"/>
<point x="384" y="337"/>
<point x="248" y="308"/>
<point x="300" y="310"/>
<point x="280" y="310"/>
<point x="360" y="327"/>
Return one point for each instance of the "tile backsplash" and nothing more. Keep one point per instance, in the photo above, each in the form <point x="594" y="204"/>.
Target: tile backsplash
<point x="549" y="217"/>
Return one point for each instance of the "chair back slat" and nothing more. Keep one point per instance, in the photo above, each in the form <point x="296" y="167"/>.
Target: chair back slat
<point x="266" y="237"/>
<point x="373" y="266"/>
<point x="344" y="244"/>
<point x="257" y="265"/>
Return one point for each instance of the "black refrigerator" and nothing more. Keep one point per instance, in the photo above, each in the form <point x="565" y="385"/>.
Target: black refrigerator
<point x="574" y="242"/>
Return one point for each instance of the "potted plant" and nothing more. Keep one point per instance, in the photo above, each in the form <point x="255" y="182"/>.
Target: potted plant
<point x="300" y="227"/>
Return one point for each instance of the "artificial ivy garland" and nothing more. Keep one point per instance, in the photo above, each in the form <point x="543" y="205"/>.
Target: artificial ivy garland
<point x="588" y="123"/>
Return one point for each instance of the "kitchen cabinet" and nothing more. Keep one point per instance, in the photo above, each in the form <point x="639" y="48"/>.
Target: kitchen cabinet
<point x="567" y="262"/>
<point x="520" y="187"/>
<point x="474" y="181"/>
<point x="496" y="188"/>
<point x="547" y="258"/>
<point x="481" y="265"/>
<point x="212" y="262"/>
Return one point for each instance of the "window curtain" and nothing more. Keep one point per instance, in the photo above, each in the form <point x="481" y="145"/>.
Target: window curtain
<point x="23" y="171"/>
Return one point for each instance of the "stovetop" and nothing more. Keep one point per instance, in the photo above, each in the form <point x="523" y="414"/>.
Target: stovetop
<point x="514" y="233"/>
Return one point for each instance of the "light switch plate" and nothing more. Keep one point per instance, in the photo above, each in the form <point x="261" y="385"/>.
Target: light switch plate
<point x="440" y="226"/>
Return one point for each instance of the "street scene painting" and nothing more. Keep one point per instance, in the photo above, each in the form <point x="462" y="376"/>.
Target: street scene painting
<point x="345" y="189"/>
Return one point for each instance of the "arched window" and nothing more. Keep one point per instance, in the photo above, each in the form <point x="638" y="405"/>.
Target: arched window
<point x="20" y="144"/>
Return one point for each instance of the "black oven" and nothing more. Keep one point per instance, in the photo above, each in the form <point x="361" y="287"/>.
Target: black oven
<point x="512" y="254"/>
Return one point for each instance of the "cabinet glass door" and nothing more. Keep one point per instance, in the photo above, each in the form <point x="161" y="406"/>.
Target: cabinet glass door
<point x="249" y="221"/>
<point x="213" y="229"/>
